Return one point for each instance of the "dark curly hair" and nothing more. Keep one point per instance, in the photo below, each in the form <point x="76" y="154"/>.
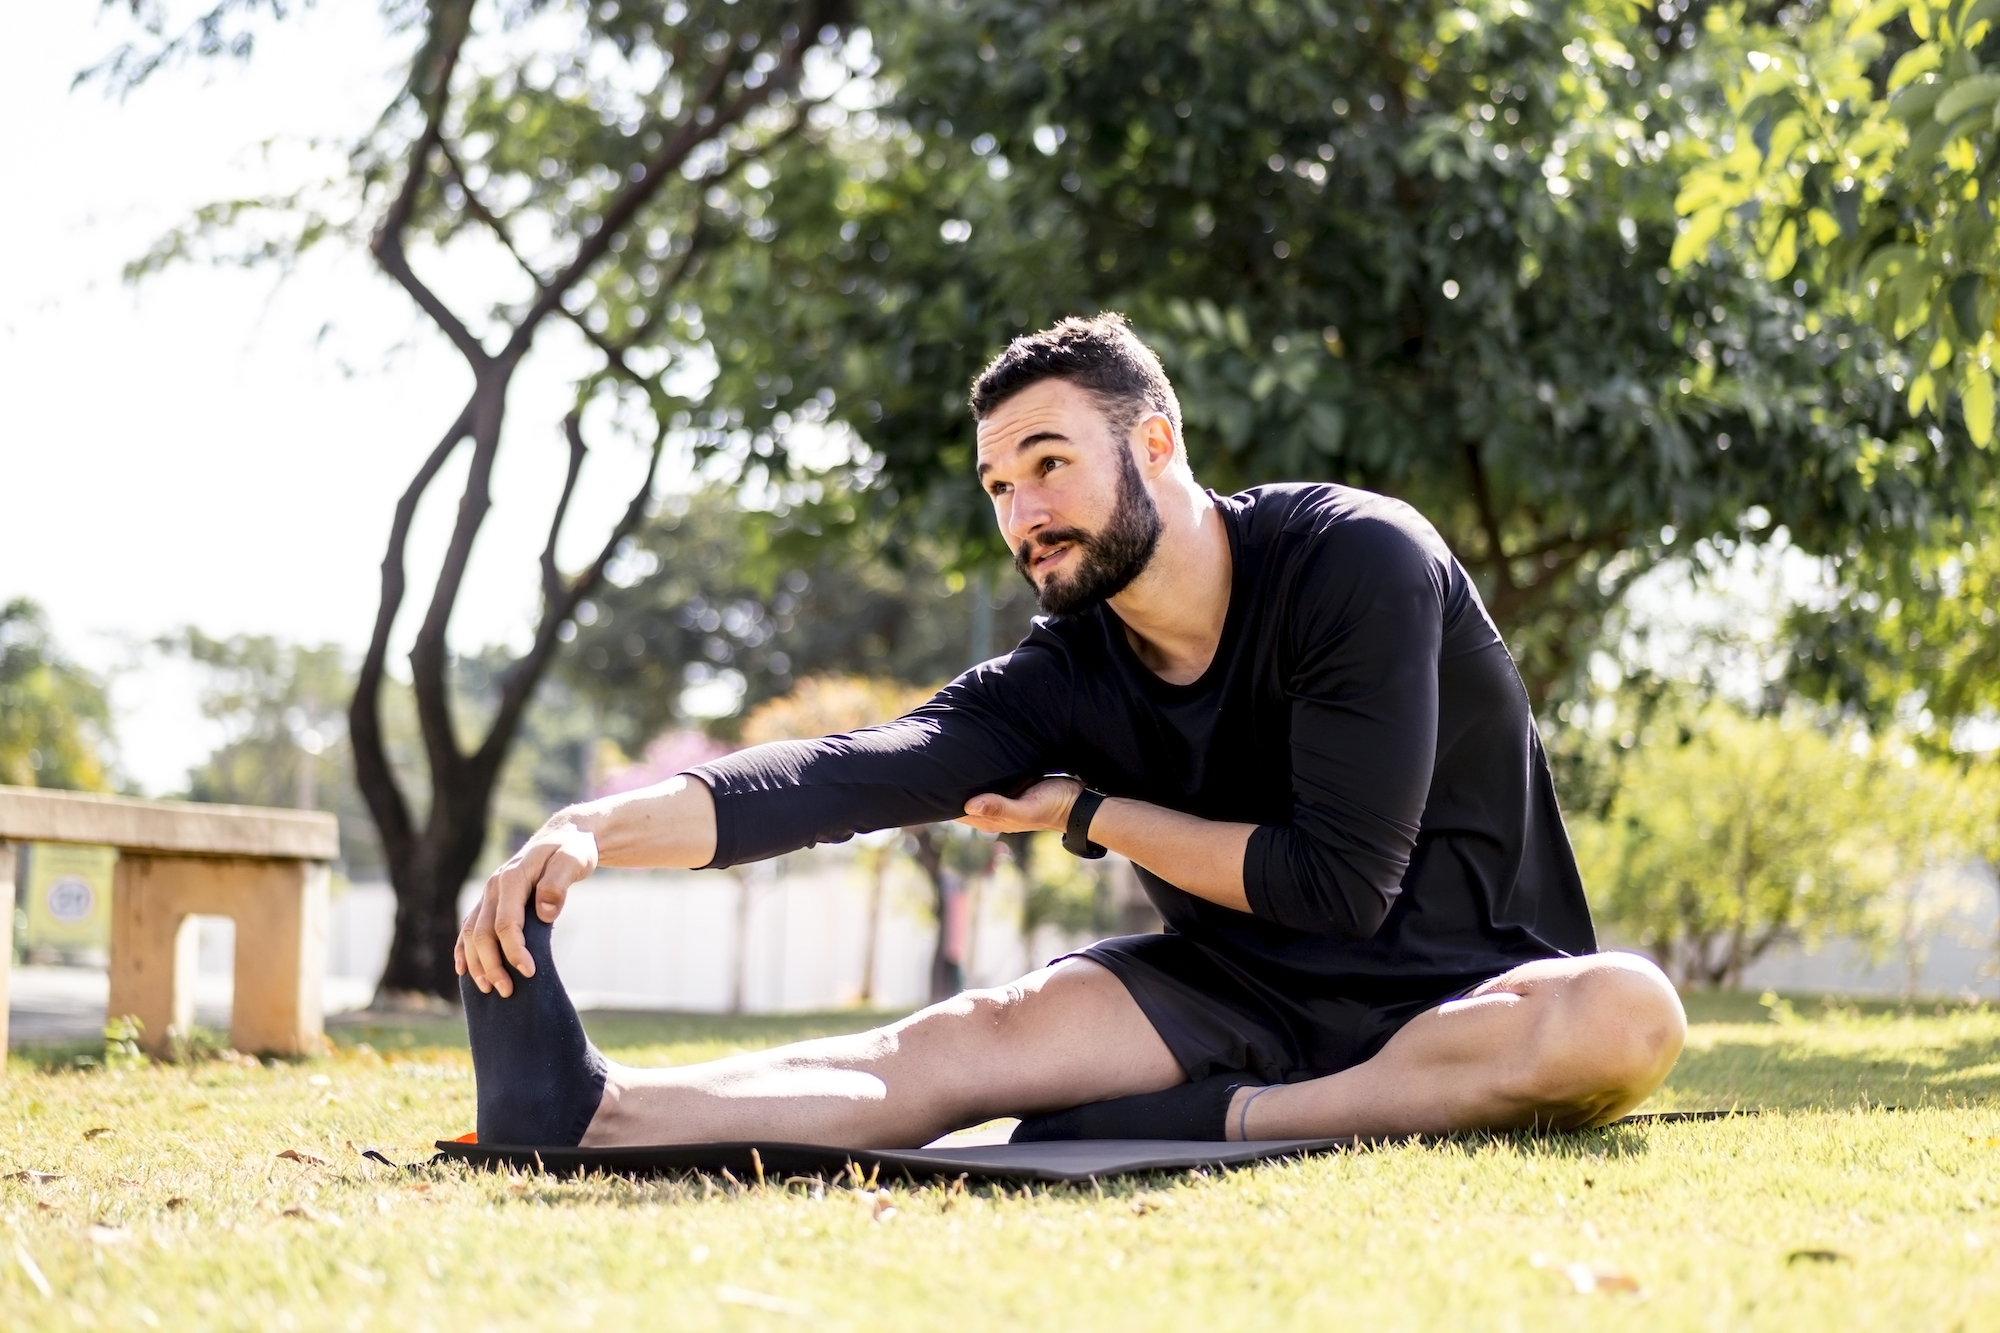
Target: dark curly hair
<point x="1100" y="355"/>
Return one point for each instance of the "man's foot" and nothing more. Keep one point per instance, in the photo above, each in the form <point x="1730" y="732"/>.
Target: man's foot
<point x="539" y="1078"/>
<point x="1197" y="1110"/>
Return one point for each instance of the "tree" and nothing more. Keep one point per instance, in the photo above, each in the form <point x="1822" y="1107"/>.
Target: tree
<point x="1730" y="834"/>
<point x="581" y="144"/>
<point x="55" y="721"/>
<point x="1418" y="247"/>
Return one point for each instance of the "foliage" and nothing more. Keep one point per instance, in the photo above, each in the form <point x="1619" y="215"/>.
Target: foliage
<point x="281" y="706"/>
<point x="1729" y="834"/>
<point x="829" y="705"/>
<point x="1419" y="247"/>
<point x="55" y="721"/>
<point x="706" y="589"/>
<point x="1863" y="158"/>
<point x="1910" y="635"/>
<point x="201" y="1225"/>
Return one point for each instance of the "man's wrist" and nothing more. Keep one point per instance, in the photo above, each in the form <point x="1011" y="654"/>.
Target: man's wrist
<point x="1076" y="828"/>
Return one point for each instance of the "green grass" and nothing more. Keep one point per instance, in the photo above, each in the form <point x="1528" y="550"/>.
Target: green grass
<point x="183" y="1214"/>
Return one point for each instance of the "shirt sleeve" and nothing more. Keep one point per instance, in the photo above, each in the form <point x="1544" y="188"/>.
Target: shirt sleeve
<point x="1367" y="627"/>
<point x="995" y="728"/>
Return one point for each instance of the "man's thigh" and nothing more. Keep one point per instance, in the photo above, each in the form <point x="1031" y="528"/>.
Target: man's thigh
<point x="1065" y="1035"/>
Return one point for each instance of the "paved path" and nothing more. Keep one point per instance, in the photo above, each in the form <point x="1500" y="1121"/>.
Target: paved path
<point x="60" y="1004"/>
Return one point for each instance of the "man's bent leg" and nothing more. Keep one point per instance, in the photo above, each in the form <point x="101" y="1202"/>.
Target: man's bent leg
<point x="1561" y="1043"/>
<point x="1067" y="1034"/>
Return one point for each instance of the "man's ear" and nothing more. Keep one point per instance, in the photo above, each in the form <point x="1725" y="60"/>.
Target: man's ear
<point x="1155" y="439"/>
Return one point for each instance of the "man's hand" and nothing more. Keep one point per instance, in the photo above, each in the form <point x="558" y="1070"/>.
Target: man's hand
<point x="545" y="867"/>
<point x="1043" y="806"/>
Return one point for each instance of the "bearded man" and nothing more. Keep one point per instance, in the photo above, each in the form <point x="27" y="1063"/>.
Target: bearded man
<point x="1288" y="708"/>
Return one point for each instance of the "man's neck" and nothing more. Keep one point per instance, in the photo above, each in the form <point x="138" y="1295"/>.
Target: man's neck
<point x="1174" y="612"/>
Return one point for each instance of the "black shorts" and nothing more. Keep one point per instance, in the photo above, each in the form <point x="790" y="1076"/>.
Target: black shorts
<point x="1218" y="1019"/>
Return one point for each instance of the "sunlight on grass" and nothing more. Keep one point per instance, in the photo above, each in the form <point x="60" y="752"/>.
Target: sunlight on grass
<point x="165" y="1200"/>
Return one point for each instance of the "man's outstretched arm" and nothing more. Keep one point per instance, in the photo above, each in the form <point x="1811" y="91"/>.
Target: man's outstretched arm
<point x="670" y="826"/>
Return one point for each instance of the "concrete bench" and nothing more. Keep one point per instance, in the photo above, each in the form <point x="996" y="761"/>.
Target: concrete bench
<point x="264" y="869"/>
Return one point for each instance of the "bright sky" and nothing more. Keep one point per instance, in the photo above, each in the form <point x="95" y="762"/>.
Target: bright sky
<point x="216" y="447"/>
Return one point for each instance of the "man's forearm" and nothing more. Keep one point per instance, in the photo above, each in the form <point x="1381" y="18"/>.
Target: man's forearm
<point x="668" y="826"/>
<point x="1200" y="856"/>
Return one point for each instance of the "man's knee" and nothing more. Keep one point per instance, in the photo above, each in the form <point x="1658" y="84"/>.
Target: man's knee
<point x="1610" y="1035"/>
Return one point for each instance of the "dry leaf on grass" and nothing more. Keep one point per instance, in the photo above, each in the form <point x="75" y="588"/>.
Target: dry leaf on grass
<point x="757" y="1300"/>
<point x="102" y="1234"/>
<point x="1147" y="1203"/>
<point x="176" y="1202"/>
<point x="1815" y="1257"/>
<point x="304" y="1158"/>
<point x="97" y="1132"/>
<point x="34" y="1177"/>
<point x="307" y="1213"/>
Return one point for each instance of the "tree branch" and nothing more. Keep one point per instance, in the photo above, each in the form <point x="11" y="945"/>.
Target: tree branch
<point x="517" y="683"/>
<point x="449" y="27"/>
<point x="1489" y="521"/>
<point x="552" y="584"/>
<point x="373" y="773"/>
<point x="672" y="154"/>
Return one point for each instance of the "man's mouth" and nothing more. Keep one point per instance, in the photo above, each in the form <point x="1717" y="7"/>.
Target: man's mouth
<point x="1048" y="559"/>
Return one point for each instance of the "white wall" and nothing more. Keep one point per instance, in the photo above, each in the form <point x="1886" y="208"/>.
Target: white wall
<point x="673" y="939"/>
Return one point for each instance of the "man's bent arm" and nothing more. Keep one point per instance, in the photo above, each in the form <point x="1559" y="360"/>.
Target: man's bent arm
<point x="1203" y="857"/>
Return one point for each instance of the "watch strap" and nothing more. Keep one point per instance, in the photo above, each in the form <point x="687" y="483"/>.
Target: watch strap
<point x="1076" y="834"/>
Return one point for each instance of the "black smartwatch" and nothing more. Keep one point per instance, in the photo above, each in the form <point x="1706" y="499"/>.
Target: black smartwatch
<point x="1076" y="834"/>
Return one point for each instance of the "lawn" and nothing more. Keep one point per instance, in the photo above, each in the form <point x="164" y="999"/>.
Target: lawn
<point x="1865" y="1195"/>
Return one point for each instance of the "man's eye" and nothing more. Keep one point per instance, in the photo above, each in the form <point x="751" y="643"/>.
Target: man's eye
<point x="998" y="489"/>
<point x="1051" y="464"/>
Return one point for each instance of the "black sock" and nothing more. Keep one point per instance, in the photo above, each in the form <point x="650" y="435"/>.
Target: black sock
<point x="539" y="1078"/>
<point x="1198" y="1110"/>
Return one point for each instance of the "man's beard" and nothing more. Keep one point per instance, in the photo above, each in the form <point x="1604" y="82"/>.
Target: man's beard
<point x="1108" y="560"/>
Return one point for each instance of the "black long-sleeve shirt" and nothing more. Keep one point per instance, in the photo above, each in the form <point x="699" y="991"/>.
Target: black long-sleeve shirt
<point x="1360" y="710"/>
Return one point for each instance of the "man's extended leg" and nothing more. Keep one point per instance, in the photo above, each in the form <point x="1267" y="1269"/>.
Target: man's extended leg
<point x="1068" y="1033"/>
<point x="1561" y="1043"/>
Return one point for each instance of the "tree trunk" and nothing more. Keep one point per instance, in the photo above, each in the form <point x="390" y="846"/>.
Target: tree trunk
<point x="927" y="849"/>
<point x="427" y="886"/>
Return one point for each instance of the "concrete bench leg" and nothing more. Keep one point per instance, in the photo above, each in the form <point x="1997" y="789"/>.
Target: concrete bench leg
<point x="279" y="908"/>
<point x="6" y="942"/>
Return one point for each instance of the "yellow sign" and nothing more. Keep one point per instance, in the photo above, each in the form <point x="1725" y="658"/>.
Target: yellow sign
<point x="69" y="896"/>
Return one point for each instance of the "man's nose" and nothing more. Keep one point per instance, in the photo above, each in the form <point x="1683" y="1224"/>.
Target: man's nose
<point x="1027" y="515"/>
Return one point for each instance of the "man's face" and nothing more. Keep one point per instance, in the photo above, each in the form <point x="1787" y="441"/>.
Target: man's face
<point x="1069" y="499"/>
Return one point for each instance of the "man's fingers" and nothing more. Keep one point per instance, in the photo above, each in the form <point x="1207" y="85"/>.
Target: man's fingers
<point x="483" y="946"/>
<point x="549" y="900"/>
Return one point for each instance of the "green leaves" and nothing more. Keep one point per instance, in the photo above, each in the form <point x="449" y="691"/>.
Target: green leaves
<point x="1423" y="256"/>
<point x="1877" y="192"/>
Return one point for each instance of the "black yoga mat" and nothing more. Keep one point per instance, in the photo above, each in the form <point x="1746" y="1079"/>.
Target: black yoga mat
<point x="1072" y="1162"/>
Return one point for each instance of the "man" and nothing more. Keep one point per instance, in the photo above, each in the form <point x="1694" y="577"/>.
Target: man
<point x="1297" y="721"/>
